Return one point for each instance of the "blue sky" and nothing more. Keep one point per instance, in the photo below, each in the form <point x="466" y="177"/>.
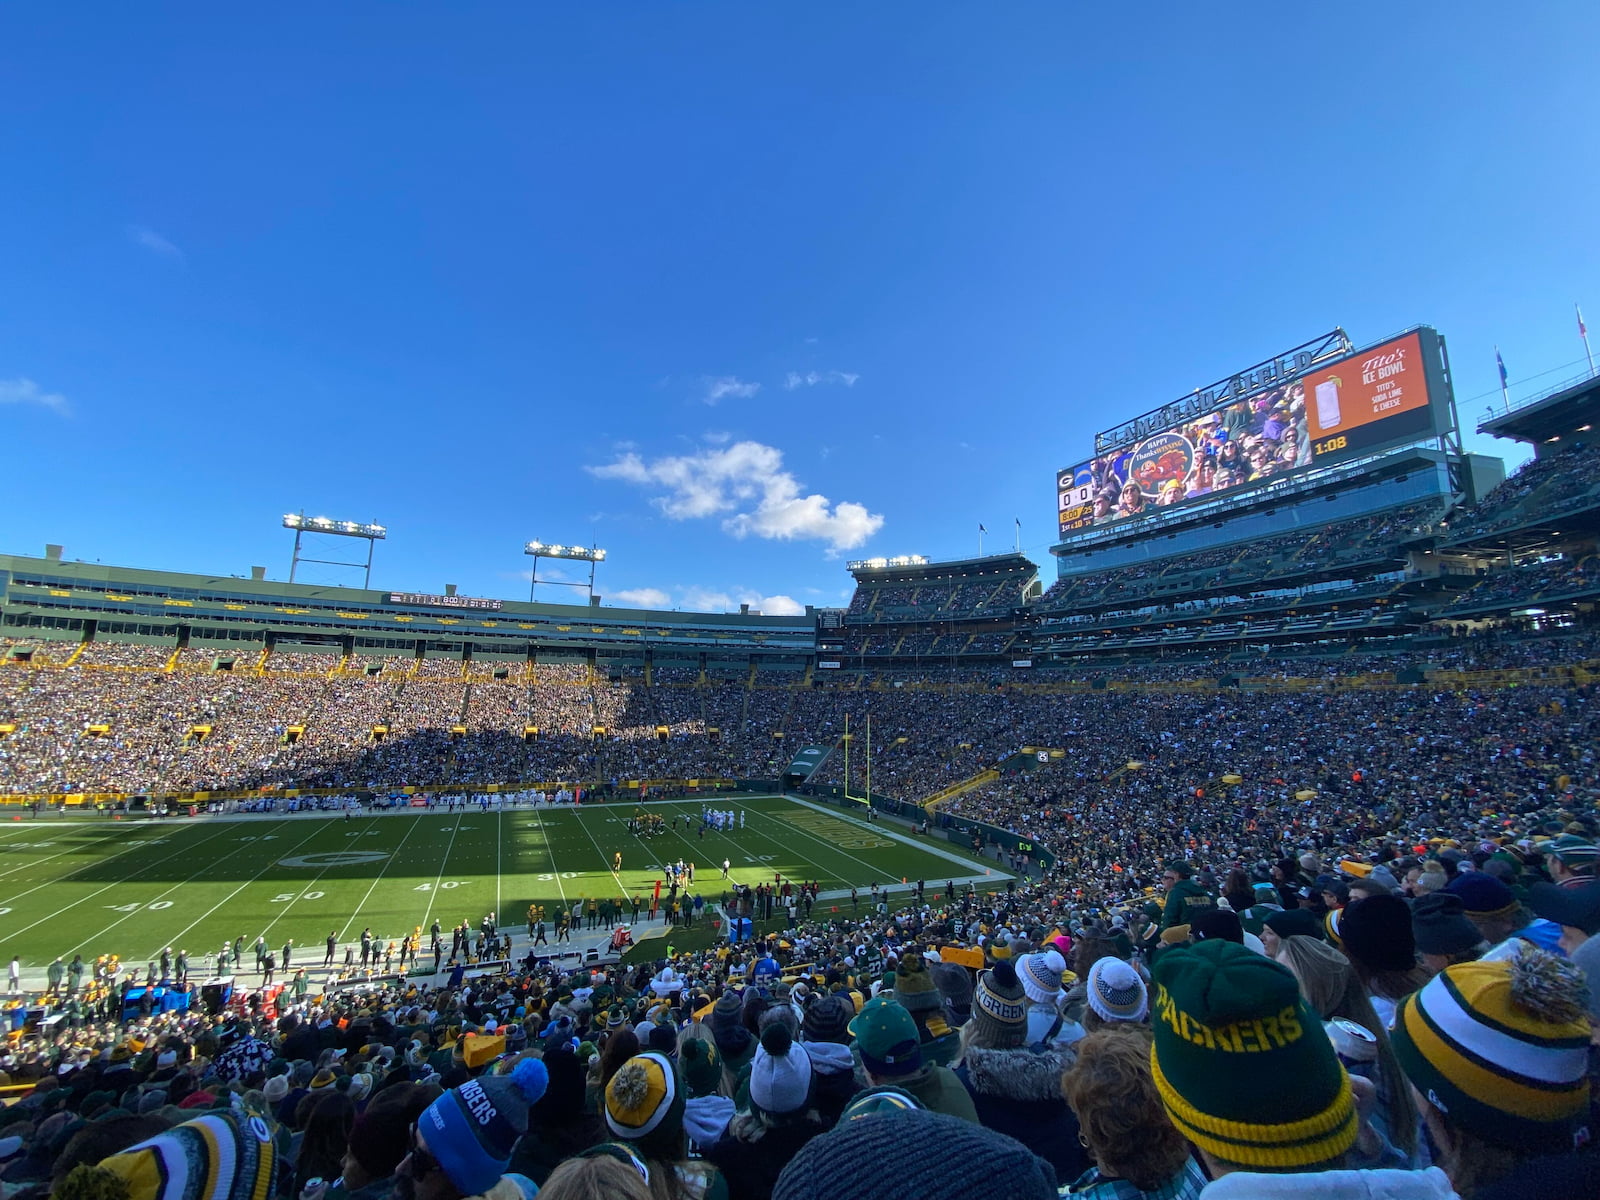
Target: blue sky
<point x="737" y="291"/>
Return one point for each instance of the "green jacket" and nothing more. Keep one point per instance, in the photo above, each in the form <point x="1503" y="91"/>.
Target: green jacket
<point x="1185" y="900"/>
<point x="940" y="1090"/>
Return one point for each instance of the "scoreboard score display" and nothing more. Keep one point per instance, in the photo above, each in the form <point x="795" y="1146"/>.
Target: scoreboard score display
<point x="1328" y="413"/>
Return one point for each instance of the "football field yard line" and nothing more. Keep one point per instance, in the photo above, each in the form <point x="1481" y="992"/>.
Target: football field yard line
<point x="99" y="891"/>
<point x="545" y="833"/>
<point x="604" y="863"/>
<point x="99" y="841"/>
<point x="345" y="928"/>
<point x="874" y="871"/>
<point x="433" y="892"/>
<point x="499" y="843"/>
<point x="271" y="863"/>
<point x="161" y="896"/>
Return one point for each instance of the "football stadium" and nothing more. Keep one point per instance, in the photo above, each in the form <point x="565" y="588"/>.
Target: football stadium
<point x="1237" y="837"/>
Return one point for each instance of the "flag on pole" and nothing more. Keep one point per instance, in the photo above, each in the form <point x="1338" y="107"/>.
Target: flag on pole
<point x="981" y="529"/>
<point x="1582" y="329"/>
<point x="1501" y="363"/>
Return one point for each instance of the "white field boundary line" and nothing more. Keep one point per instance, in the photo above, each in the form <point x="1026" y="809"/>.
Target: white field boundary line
<point x="499" y="847"/>
<point x="345" y="928"/>
<point x="99" y="891"/>
<point x="177" y="938"/>
<point x="905" y="839"/>
<point x="548" y="853"/>
<point x="136" y="843"/>
<point x="162" y="896"/>
<point x="433" y="893"/>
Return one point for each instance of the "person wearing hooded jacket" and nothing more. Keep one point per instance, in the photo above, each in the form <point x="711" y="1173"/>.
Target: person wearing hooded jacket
<point x="1016" y="1090"/>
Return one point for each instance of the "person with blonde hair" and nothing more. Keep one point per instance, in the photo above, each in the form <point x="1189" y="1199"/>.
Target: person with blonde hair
<point x="608" y="1172"/>
<point x="1330" y="985"/>
<point x="1138" y="1153"/>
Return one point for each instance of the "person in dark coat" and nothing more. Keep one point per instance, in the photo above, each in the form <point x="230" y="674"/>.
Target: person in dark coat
<point x="1017" y="1090"/>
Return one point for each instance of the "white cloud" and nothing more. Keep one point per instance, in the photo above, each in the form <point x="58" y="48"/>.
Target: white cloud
<point x="727" y="385"/>
<point x="26" y="391"/>
<point x="152" y="241"/>
<point x="698" y="598"/>
<point x="646" y="597"/>
<point x="746" y="484"/>
<point x="795" y="379"/>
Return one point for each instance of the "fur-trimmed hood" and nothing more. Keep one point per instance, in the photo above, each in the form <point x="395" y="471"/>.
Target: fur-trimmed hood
<point x="1014" y="1074"/>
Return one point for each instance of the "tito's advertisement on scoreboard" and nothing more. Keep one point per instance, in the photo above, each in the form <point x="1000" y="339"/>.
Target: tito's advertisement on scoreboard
<point x="1332" y="412"/>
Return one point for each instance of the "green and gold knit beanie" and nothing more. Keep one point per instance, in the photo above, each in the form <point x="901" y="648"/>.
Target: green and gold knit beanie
<point x="1231" y="1033"/>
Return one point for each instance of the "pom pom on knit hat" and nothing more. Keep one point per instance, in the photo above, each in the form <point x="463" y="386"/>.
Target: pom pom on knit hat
<point x="1116" y="992"/>
<point x="1501" y="1048"/>
<point x="780" y="1076"/>
<point x="645" y="1098"/>
<point x="913" y="986"/>
<point x="471" y="1129"/>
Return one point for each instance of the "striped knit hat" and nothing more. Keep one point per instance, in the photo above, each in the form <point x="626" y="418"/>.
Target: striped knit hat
<point x="1115" y="991"/>
<point x="644" y="1098"/>
<point x="999" y="1005"/>
<point x="220" y="1156"/>
<point x="1242" y="1065"/>
<point x="1501" y="1048"/>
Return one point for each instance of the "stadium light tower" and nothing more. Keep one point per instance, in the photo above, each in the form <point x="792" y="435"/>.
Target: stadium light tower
<point x="592" y="555"/>
<point x="302" y="525"/>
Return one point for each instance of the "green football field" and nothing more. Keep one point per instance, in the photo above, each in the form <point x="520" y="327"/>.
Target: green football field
<point x="97" y="886"/>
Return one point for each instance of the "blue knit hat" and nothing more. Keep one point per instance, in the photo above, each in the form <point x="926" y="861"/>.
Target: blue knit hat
<point x="471" y="1129"/>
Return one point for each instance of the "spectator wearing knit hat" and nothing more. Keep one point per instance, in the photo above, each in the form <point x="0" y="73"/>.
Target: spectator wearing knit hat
<point x="1041" y="982"/>
<point x="1015" y="1088"/>
<point x="1444" y="934"/>
<point x="461" y="1145"/>
<point x="825" y="1029"/>
<point x="1138" y="1154"/>
<point x="1376" y="936"/>
<point x="378" y="1140"/>
<point x="1498" y="1051"/>
<point x="1247" y="1075"/>
<point x="780" y="1120"/>
<point x="1115" y="994"/>
<point x="1498" y="914"/>
<point x="955" y="992"/>
<point x="1575" y="909"/>
<point x="559" y="1123"/>
<point x="892" y="1054"/>
<point x="644" y="1107"/>
<point x="908" y="1154"/>
<point x="1572" y="859"/>
<point x="915" y="989"/>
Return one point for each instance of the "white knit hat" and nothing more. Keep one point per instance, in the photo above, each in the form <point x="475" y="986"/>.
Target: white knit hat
<point x="1041" y="975"/>
<point x="780" y="1074"/>
<point x="1116" y="992"/>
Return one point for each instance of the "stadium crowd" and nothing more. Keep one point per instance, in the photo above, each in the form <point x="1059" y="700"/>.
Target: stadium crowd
<point x="1244" y="997"/>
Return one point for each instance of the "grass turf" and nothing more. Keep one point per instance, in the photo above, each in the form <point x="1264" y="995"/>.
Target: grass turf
<point x="131" y="887"/>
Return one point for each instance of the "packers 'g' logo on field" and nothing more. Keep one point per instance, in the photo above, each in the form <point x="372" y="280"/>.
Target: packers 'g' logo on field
<point x="334" y="858"/>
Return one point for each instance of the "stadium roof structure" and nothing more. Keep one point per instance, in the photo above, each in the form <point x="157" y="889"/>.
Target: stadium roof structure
<point x="1553" y="418"/>
<point x="207" y="606"/>
<point x="906" y="570"/>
